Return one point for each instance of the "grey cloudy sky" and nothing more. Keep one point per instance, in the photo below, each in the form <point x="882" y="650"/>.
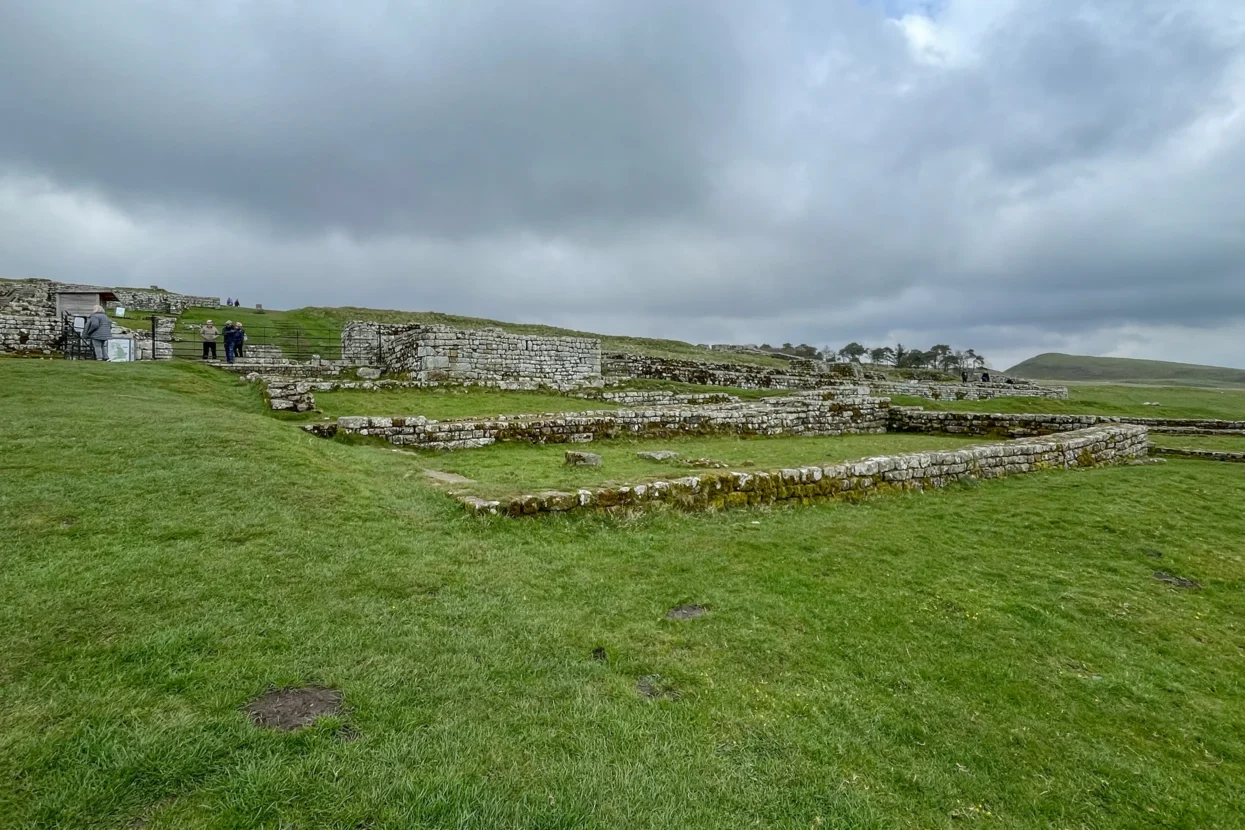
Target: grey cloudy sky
<point x="1015" y="176"/>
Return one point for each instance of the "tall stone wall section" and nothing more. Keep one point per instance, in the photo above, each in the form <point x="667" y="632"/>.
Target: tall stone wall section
<point x="29" y="335"/>
<point x="796" y="375"/>
<point x="847" y="481"/>
<point x="492" y="357"/>
<point x="811" y="415"/>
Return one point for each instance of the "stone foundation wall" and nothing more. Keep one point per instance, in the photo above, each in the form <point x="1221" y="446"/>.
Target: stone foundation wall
<point x="915" y="419"/>
<point x="1199" y="455"/>
<point x="444" y="354"/>
<point x="967" y="391"/>
<point x="165" y="302"/>
<point x="779" y="416"/>
<point x="21" y="334"/>
<point x="657" y="397"/>
<point x="848" y="481"/>
<point x="798" y="374"/>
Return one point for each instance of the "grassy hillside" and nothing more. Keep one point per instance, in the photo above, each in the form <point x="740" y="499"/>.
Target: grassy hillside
<point x="1070" y="367"/>
<point x="997" y="655"/>
<point x="332" y="319"/>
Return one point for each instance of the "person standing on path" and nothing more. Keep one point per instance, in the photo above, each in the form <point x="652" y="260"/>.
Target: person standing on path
<point x="228" y="336"/>
<point x="209" y="333"/>
<point x="239" y="338"/>
<point x="98" y="329"/>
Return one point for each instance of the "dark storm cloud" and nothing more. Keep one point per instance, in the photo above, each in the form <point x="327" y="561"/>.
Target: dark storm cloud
<point x="994" y="169"/>
<point x="454" y="118"/>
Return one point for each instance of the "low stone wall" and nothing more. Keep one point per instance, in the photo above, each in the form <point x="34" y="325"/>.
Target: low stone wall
<point x="165" y="302"/>
<point x="967" y="391"/>
<point x="849" y="481"/>
<point x="21" y="334"/>
<point x="798" y="374"/>
<point x="656" y="397"/>
<point x="487" y="356"/>
<point x="916" y="419"/>
<point x="808" y="415"/>
<point x="1199" y="455"/>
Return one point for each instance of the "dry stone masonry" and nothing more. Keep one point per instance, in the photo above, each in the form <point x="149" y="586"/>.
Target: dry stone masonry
<point x="916" y="419"/>
<point x="163" y="302"/>
<point x="848" y="481"/>
<point x="810" y="414"/>
<point x="967" y="391"/>
<point x="488" y="356"/>
<point x="802" y="374"/>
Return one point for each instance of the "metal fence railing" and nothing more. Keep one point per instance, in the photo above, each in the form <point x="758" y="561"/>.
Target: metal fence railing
<point x="267" y="342"/>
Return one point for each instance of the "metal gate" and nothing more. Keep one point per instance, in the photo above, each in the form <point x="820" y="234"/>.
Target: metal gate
<point x="259" y="342"/>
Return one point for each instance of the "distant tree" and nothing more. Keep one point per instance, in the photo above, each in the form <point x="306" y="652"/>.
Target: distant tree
<point x="938" y="356"/>
<point x="884" y="354"/>
<point x="916" y="359"/>
<point x="900" y="354"/>
<point x="852" y="351"/>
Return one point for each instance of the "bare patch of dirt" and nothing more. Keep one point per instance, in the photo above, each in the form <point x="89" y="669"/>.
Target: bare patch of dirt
<point x="1178" y="581"/>
<point x="655" y="687"/>
<point x="599" y="654"/>
<point x="290" y="709"/>
<point x="686" y="612"/>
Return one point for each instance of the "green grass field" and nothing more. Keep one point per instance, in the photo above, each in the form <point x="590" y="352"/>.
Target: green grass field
<point x="998" y="655"/>
<point x="510" y="469"/>
<point x="1075" y="367"/>
<point x="444" y="402"/>
<point x="1174" y="402"/>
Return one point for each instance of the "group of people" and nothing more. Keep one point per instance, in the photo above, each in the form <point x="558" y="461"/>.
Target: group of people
<point x="232" y="303"/>
<point x="235" y="339"/>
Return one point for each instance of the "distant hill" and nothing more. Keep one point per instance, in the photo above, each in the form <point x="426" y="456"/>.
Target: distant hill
<point x="1055" y="366"/>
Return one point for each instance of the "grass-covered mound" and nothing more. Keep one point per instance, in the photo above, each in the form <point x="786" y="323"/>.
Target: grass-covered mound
<point x="1076" y="367"/>
<point x="999" y="655"/>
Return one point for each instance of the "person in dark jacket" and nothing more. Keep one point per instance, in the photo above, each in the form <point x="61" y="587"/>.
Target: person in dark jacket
<point x="230" y="332"/>
<point x="239" y="339"/>
<point x="98" y="329"/>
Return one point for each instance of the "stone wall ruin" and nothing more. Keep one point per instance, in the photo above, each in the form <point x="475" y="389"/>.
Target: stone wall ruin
<point x="491" y="357"/>
<point x="846" y="481"/>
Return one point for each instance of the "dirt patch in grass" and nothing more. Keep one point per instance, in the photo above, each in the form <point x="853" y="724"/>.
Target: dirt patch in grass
<point x="1177" y="581"/>
<point x="655" y="687"/>
<point x="686" y="612"/>
<point x="599" y="654"/>
<point x="290" y="709"/>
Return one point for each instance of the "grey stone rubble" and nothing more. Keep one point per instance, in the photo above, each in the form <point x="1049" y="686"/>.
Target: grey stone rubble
<point x="582" y="459"/>
<point x="811" y="414"/>
<point x="657" y="455"/>
<point x="442" y="353"/>
<point x="1106" y="444"/>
